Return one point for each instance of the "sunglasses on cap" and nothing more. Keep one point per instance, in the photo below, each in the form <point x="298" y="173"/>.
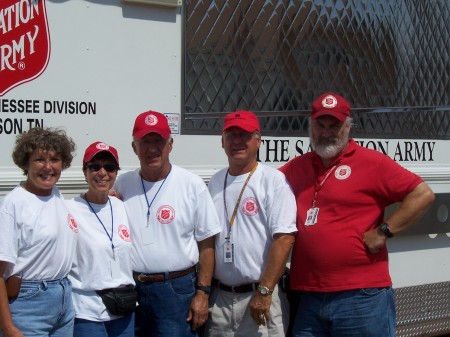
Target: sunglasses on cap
<point x="97" y="167"/>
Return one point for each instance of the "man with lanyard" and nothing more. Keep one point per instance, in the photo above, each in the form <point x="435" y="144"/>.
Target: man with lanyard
<point x="257" y="211"/>
<point x="173" y="224"/>
<point x="340" y="260"/>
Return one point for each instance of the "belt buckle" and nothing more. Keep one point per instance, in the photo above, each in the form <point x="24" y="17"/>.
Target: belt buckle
<point x="233" y="289"/>
<point x="141" y="277"/>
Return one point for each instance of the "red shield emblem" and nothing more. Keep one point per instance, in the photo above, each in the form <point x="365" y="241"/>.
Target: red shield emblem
<point x="250" y="206"/>
<point x="24" y="42"/>
<point x="342" y="172"/>
<point x="123" y="233"/>
<point x="165" y="214"/>
<point x="72" y="224"/>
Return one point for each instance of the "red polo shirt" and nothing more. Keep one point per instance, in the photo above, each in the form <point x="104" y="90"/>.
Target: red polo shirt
<point x="351" y="195"/>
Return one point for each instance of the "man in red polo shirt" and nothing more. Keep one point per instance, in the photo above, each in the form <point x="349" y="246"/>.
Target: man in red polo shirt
<point x="340" y="260"/>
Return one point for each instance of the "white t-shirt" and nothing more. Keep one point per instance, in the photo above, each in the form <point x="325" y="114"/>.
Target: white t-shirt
<point x="181" y="214"/>
<point x="267" y="207"/>
<point x="38" y="235"/>
<point x="94" y="267"/>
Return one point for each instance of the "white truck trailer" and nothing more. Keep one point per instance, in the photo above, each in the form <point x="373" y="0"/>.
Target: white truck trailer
<point x="91" y="66"/>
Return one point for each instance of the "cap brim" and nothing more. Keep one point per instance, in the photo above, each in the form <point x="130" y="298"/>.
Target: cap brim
<point x="248" y="128"/>
<point x="139" y="135"/>
<point x="340" y="116"/>
<point x="86" y="160"/>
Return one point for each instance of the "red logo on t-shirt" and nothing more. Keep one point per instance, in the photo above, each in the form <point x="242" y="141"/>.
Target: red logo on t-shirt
<point x="343" y="172"/>
<point x="123" y="233"/>
<point x="24" y="42"/>
<point x="72" y="224"/>
<point x="165" y="214"/>
<point x="250" y="206"/>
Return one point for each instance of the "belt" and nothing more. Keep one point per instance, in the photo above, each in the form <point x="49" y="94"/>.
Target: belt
<point x="242" y="288"/>
<point x="158" y="277"/>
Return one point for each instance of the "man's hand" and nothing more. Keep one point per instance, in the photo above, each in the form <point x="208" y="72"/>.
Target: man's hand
<point x="198" y="313"/>
<point x="12" y="332"/>
<point x="7" y="326"/>
<point x="374" y="240"/>
<point x="260" y="308"/>
<point x="114" y="193"/>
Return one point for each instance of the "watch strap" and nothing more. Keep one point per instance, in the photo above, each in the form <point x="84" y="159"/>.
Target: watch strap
<point x="384" y="229"/>
<point x="205" y="289"/>
<point x="264" y="291"/>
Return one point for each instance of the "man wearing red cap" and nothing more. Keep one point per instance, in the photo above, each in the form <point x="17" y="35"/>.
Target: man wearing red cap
<point x="340" y="260"/>
<point x="256" y="208"/>
<point x="173" y="225"/>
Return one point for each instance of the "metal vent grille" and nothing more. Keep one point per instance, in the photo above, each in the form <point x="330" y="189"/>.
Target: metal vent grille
<point x="275" y="57"/>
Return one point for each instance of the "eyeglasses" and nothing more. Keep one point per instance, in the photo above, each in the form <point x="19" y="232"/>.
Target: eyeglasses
<point x="159" y="143"/>
<point x="244" y="136"/>
<point x="97" y="167"/>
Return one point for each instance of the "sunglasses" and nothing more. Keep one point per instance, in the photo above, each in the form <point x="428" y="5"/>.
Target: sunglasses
<point x="97" y="167"/>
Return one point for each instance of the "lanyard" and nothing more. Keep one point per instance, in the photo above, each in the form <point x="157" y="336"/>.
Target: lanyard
<point x="145" y="195"/>
<point x="321" y="183"/>
<point x="233" y="216"/>
<point x="104" y="228"/>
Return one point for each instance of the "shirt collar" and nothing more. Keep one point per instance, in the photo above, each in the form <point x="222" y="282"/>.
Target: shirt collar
<point x="351" y="147"/>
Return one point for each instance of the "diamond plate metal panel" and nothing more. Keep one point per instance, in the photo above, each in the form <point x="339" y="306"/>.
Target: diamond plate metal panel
<point x="423" y="310"/>
<point x="275" y="57"/>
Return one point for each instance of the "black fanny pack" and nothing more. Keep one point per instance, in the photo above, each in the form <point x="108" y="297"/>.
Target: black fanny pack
<point x="119" y="301"/>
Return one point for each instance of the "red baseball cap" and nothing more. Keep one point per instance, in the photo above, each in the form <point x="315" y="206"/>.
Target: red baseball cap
<point x="151" y="121"/>
<point x="96" y="148"/>
<point x="242" y="119"/>
<point x="332" y="105"/>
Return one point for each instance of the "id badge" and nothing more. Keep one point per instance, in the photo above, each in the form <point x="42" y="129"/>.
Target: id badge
<point x="115" y="269"/>
<point x="311" y="216"/>
<point x="228" y="252"/>
<point x="148" y="236"/>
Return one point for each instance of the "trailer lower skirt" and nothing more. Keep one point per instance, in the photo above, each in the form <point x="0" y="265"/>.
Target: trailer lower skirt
<point x="423" y="310"/>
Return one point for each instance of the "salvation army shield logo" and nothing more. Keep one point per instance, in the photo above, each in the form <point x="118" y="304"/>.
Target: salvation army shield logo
<point x="151" y="120"/>
<point x="329" y="102"/>
<point x="102" y="146"/>
<point x="165" y="214"/>
<point x="249" y="206"/>
<point x="24" y="42"/>
<point x="343" y="172"/>
<point x="72" y="223"/>
<point x="124" y="233"/>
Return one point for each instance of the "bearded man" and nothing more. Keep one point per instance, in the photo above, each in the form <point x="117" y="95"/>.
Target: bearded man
<point x="340" y="260"/>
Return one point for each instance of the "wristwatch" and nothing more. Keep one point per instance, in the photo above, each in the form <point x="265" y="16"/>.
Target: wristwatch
<point x="205" y="289"/>
<point x="264" y="291"/>
<point x="384" y="229"/>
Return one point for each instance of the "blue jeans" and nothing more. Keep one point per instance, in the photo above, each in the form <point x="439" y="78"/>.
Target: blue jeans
<point x="165" y="306"/>
<point x="44" y="308"/>
<point x="368" y="312"/>
<point x="120" y="327"/>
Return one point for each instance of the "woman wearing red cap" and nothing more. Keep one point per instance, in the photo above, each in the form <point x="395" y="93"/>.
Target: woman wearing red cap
<point x="103" y="287"/>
